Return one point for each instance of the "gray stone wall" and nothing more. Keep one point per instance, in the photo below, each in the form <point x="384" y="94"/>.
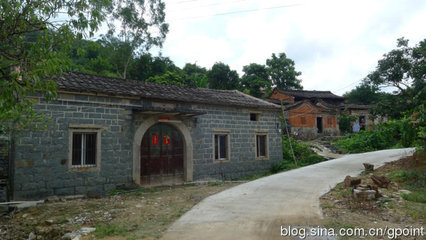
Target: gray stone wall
<point x="41" y="165"/>
<point x="242" y="134"/>
<point x="42" y="157"/>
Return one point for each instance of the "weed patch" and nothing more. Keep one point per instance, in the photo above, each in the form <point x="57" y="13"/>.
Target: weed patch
<point x="303" y="153"/>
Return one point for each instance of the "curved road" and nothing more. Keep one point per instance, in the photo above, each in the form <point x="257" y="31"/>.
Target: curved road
<point x="257" y="209"/>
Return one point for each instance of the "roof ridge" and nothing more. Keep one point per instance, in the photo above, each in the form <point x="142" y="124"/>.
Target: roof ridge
<point x="259" y="99"/>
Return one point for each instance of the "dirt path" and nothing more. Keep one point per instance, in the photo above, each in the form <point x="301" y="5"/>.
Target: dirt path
<point x="257" y="210"/>
<point x="324" y="151"/>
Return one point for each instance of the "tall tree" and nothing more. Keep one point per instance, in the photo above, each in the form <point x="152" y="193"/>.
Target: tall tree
<point x="32" y="46"/>
<point x="363" y="94"/>
<point x="255" y="79"/>
<point x="405" y="69"/>
<point x="142" y="26"/>
<point x="282" y="72"/>
<point x="91" y="57"/>
<point x="196" y="74"/>
<point x="220" y="76"/>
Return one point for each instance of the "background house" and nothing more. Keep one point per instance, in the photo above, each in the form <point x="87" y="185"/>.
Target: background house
<point x="310" y="114"/>
<point x="105" y="132"/>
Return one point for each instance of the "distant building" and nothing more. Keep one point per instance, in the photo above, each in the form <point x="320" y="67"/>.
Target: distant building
<point x="310" y="114"/>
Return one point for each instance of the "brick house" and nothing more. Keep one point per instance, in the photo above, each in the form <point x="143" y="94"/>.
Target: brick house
<point x="309" y="113"/>
<point x="105" y="132"/>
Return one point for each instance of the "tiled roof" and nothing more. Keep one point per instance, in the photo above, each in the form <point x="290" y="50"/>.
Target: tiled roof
<point x="357" y="106"/>
<point x="310" y="94"/>
<point x="87" y="83"/>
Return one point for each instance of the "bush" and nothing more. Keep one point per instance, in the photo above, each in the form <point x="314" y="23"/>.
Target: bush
<point x="345" y="123"/>
<point x="303" y="153"/>
<point x="396" y="133"/>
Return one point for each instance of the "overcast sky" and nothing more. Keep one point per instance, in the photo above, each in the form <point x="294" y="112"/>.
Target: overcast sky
<point x="333" y="43"/>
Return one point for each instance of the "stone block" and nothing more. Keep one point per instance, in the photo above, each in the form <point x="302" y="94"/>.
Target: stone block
<point x="65" y="191"/>
<point x="364" y="194"/>
<point x="24" y="163"/>
<point x="351" y="182"/>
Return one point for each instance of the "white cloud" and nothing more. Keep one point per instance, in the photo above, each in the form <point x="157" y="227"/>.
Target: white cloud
<point x="334" y="43"/>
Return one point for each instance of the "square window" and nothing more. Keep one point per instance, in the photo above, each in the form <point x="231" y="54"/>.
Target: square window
<point x="254" y="117"/>
<point x="83" y="149"/>
<point x="221" y="147"/>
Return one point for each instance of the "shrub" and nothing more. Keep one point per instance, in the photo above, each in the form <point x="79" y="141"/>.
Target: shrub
<point x="303" y="153"/>
<point x="345" y="123"/>
<point x="400" y="133"/>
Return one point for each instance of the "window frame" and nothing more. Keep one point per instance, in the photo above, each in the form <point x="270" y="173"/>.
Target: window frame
<point x="256" y="116"/>
<point x="330" y="120"/>
<point x="83" y="129"/>
<point x="228" y="145"/>
<point x="303" y="120"/>
<point x="266" y="134"/>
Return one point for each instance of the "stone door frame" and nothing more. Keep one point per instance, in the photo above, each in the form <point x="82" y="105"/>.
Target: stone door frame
<point x="187" y="148"/>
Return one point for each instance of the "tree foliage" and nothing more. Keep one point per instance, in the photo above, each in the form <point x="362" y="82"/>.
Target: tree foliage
<point x="197" y="74"/>
<point x="220" y="76"/>
<point x="142" y="26"/>
<point x="179" y="78"/>
<point x="32" y="48"/>
<point x="255" y="79"/>
<point x="363" y="94"/>
<point x="405" y="69"/>
<point x="282" y="72"/>
<point x="36" y="38"/>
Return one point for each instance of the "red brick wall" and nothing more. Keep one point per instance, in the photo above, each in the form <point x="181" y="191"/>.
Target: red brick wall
<point x="306" y="116"/>
<point x="303" y="116"/>
<point x="279" y="96"/>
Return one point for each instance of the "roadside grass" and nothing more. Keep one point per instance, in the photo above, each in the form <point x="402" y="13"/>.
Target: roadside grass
<point x="103" y="230"/>
<point x="394" y="209"/>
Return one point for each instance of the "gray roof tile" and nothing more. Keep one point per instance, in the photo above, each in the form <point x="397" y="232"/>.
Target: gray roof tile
<point x="87" y="83"/>
<point x="310" y="94"/>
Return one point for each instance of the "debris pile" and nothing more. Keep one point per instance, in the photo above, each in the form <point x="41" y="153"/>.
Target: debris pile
<point x="367" y="191"/>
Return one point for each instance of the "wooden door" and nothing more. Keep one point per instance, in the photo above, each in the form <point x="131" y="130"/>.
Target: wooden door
<point x="162" y="155"/>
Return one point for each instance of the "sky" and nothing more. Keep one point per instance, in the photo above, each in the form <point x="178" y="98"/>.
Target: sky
<point x="334" y="43"/>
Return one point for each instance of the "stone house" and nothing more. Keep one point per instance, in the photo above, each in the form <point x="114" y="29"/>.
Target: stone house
<point x="363" y="115"/>
<point x="106" y="132"/>
<point x="310" y="114"/>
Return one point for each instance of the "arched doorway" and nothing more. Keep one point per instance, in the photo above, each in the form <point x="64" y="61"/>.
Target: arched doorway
<point x="162" y="156"/>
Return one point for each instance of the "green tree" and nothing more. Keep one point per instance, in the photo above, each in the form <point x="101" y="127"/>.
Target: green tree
<point x="196" y="74"/>
<point x="282" y="72"/>
<point x="32" y="49"/>
<point x="91" y="57"/>
<point x="146" y="66"/>
<point x="142" y="27"/>
<point x="255" y="79"/>
<point x="178" y="78"/>
<point x="363" y="94"/>
<point x="405" y="69"/>
<point x="220" y="76"/>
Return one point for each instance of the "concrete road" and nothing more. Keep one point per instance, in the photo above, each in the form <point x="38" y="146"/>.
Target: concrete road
<point x="258" y="209"/>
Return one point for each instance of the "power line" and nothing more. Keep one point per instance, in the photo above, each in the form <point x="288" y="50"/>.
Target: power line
<point x="209" y="5"/>
<point x="240" y="11"/>
<point x="347" y="85"/>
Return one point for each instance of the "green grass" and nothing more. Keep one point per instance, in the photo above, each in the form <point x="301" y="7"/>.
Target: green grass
<point x="419" y="197"/>
<point x="217" y="183"/>
<point x="108" y="230"/>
